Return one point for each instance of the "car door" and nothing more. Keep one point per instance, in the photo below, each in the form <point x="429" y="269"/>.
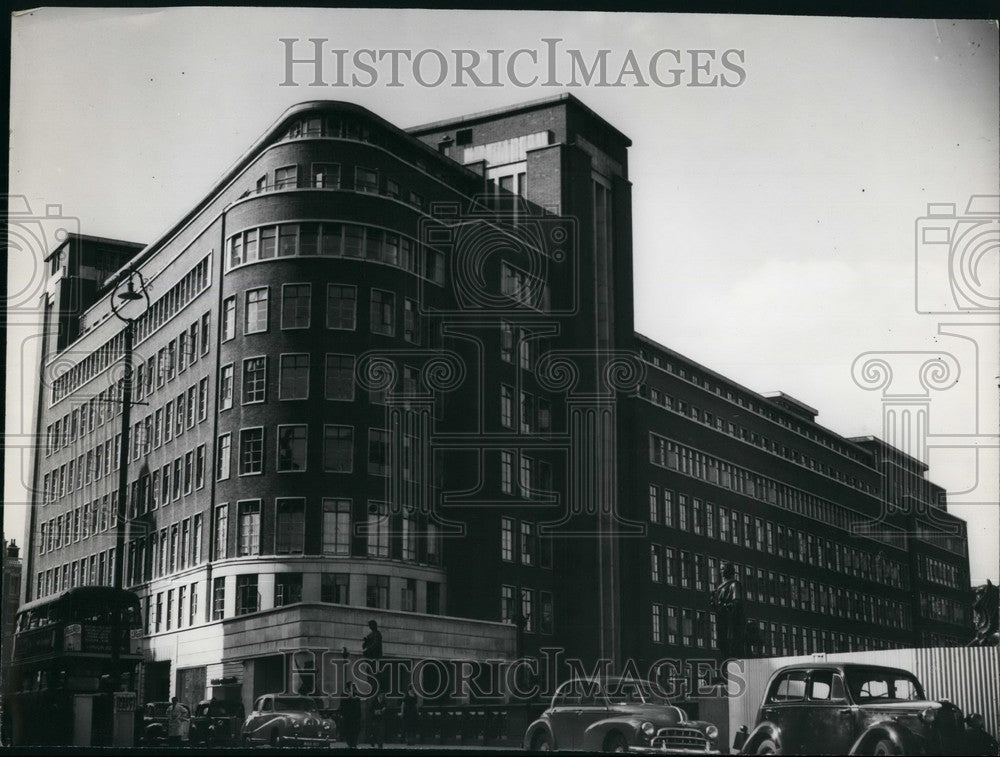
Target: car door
<point x="593" y="707"/>
<point x="783" y="707"/>
<point x="257" y="717"/>
<point x="561" y="715"/>
<point x="829" y="724"/>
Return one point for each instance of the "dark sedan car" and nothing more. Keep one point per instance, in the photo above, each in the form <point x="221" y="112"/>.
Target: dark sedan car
<point x="845" y="708"/>
<point x="618" y="715"/>
<point x="217" y="722"/>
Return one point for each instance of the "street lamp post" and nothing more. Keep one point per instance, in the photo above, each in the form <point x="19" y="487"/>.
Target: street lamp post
<point x="130" y="295"/>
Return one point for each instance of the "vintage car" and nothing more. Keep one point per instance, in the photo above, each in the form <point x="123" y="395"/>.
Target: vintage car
<point x="618" y="715"/>
<point x="851" y="708"/>
<point x="285" y="719"/>
<point x="216" y="722"/>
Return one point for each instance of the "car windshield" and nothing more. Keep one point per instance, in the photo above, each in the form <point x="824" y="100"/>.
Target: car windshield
<point x="634" y="692"/>
<point x="883" y="686"/>
<point x="294" y="704"/>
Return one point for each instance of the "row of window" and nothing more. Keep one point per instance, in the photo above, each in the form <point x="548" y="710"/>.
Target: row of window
<point x="192" y="284"/>
<point x="673" y="456"/>
<point x="743" y="433"/>
<point x="943" y="536"/>
<point x="750" y="404"/>
<point x="335" y="588"/>
<point x="95" y="570"/>
<point x="292" y="447"/>
<point x="518" y="606"/>
<point x="88" y="467"/>
<point x="942" y="608"/>
<point x="677" y="510"/>
<point x="341" y="311"/>
<point x="690" y="570"/>
<point x="333" y="239"/>
<point x="402" y="536"/>
<point x="521" y="538"/>
<point x="531" y="415"/>
<point x="697" y="628"/>
<point x="940" y="572"/>
<point x="153" y="373"/>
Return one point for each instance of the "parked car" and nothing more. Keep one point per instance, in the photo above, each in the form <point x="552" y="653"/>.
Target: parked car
<point x="618" y="715"/>
<point x="217" y="722"/>
<point x="154" y="722"/>
<point x="851" y="708"/>
<point x="280" y="719"/>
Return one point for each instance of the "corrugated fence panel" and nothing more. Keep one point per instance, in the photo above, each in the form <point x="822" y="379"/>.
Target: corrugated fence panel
<point x="967" y="676"/>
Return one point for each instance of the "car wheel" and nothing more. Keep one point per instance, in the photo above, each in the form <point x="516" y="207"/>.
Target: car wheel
<point x="767" y="746"/>
<point x="885" y="747"/>
<point x="542" y="742"/>
<point x="616" y="743"/>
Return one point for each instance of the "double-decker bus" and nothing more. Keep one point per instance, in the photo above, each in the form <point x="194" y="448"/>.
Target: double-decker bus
<point x="63" y="649"/>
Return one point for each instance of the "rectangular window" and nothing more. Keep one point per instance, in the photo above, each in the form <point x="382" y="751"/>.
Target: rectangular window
<point x="339" y="377"/>
<point x="251" y="451"/>
<point x="365" y="180"/>
<point x="338" y="449"/>
<point x="377" y="592"/>
<point x="326" y="175"/>
<point x="223" y="457"/>
<point x="286" y="177"/>
<point x="528" y="609"/>
<point x="507" y="539"/>
<point x="293" y="377"/>
<point x="335" y="588"/>
<point x="226" y="387"/>
<point x="255" y="320"/>
<point x="654" y="503"/>
<point x="287" y="589"/>
<point x="196" y="534"/>
<point x="378" y="451"/>
<point x="188" y="472"/>
<point x="383" y="312"/>
<point x="218" y="598"/>
<point x="657" y="621"/>
<point x="254" y="380"/>
<point x="408" y="600"/>
<point x="296" y="306"/>
<point x="247" y="595"/>
<point x="248" y="541"/>
<point x="655" y="559"/>
<point x="507" y="471"/>
<point x="411" y="321"/>
<point x="228" y="328"/>
<point x="221" y="532"/>
<point x="341" y="307"/>
<point x="336" y="527"/>
<point x="378" y="529"/>
<point x="290" y="526"/>
<point x="529" y="546"/>
<point x="292" y="448"/>
<point x="506" y="406"/>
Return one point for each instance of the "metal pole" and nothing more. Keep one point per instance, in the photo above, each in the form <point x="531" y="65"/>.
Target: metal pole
<point x="122" y="509"/>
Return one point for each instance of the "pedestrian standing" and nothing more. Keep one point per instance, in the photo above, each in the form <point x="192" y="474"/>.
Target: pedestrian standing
<point x="410" y="713"/>
<point x="350" y="717"/>
<point x="177" y="718"/>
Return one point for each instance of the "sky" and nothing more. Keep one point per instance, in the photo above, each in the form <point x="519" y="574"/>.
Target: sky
<point x="777" y="221"/>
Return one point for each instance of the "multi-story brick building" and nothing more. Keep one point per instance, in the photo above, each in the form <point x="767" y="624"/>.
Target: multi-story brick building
<point x="394" y="375"/>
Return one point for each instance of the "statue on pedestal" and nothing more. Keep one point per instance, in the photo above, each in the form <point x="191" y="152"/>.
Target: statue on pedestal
<point x="727" y="601"/>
